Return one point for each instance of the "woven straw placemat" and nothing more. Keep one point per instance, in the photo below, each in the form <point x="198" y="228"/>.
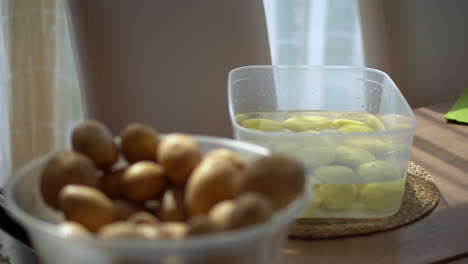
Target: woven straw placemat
<point x="421" y="196"/>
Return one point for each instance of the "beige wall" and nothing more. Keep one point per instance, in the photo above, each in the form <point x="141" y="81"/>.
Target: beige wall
<point x="165" y="63"/>
<point x="422" y="44"/>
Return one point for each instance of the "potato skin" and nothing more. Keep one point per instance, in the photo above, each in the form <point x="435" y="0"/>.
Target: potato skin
<point x="211" y="182"/>
<point x="65" y="168"/>
<point x="279" y="178"/>
<point x="179" y="154"/>
<point x="124" y="209"/>
<point x="87" y="206"/>
<point x="172" y="207"/>
<point x="139" y="142"/>
<point x="201" y="225"/>
<point x="251" y="208"/>
<point x="111" y="183"/>
<point x="94" y="139"/>
<point x="143" y="180"/>
<point x="225" y="154"/>
<point x="72" y="229"/>
<point x="221" y="213"/>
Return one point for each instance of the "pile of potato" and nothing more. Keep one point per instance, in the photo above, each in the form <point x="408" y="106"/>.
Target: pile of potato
<point x="147" y="188"/>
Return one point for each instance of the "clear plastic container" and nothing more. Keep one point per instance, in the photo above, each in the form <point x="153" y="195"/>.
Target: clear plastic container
<point x="257" y="244"/>
<point x="358" y="165"/>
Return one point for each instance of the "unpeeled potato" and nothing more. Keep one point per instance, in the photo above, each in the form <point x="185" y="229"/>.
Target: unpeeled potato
<point x="139" y="142"/>
<point x="179" y="154"/>
<point x="143" y="217"/>
<point x="111" y="183"/>
<point x="95" y="140"/>
<point x="87" y="206"/>
<point x="69" y="229"/>
<point x="221" y="212"/>
<point x="201" y="225"/>
<point x="124" y="209"/>
<point x="143" y="180"/>
<point x="172" y="206"/>
<point x="128" y="230"/>
<point x="211" y="182"/>
<point x="251" y="208"/>
<point x="279" y="178"/>
<point x="225" y="154"/>
<point x="66" y="168"/>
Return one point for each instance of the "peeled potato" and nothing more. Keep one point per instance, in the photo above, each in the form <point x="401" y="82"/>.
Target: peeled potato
<point x="143" y="180"/>
<point x="354" y="128"/>
<point x="241" y="118"/>
<point x="367" y="143"/>
<point x="316" y="151"/>
<point x="87" y="206"/>
<point x="70" y="229"/>
<point x="225" y="154"/>
<point x="179" y="154"/>
<point x="335" y="174"/>
<point x="377" y="170"/>
<point x="221" y="213"/>
<point x="262" y="124"/>
<point x="342" y="122"/>
<point x="383" y="195"/>
<point x="374" y="123"/>
<point x="66" y="168"/>
<point x="172" y="206"/>
<point x="201" y="225"/>
<point x="279" y="178"/>
<point x="314" y="203"/>
<point x="251" y="208"/>
<point x="111" y="183"/>
<point x="211" y="182"/>
<point x="337" y="196"/>
<point x="351" y="156"/>
<point x="304" y="123"/>
<point x="95" y="140"/>
<point x="139" y="142"/>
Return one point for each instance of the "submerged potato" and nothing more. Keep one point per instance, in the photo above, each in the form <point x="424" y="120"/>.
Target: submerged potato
<point x="143" y="180"/>
<point x="351" y="156"/>
<point x="95" y="140"/>
<point x="383" y="195"/>
<point x="139" y="142"/>
<point x="354" y="129"/>
<point x="374" y="123"/>
<point x="70" y="229"/>
<point x="309" y="211"/>
<point x="262" y="124"/>
<point x="87" y="206"/>
<point x="211" y="182"/>
<point x="343" y="122"/>
<point x="337" y="196"/>
<point x="279" y="178"/>
<point x="377" y="170"/>
<point x="335" y="174"/>
<point x="370" y="144"/>
<point x="65" y="168"/>
<point x="241" y="118"/>
<point x="304" y="123"/>
<point x="315" y="151"/>
<point x="179" y="154"/>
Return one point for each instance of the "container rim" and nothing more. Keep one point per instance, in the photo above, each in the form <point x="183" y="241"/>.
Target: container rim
<point x="34" y="224"/>
<point x="318" y="67"/>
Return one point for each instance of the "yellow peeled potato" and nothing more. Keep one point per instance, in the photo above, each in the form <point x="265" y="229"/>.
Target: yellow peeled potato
<point x="383" y="195"/>
<point x="305" y="123"/>
<point x="139" y="142"/>
<point x="343" y="122"/>
<point x="354" y="129"/>
<point x="65" y="168"/>
<point x="95" y="140"/>
<point x="179" y="154"/>
<point x="87" y="206"/>
<point x="374" y="123"/>
<point x="351" y="156"/>
<point x="279" y="178"/>
<point x="337" y="196"/>
<point x="143" y="181"/>
<point x="262" y="124"/>
<point x="377" y="170"/>
<point x="211" y="182"/>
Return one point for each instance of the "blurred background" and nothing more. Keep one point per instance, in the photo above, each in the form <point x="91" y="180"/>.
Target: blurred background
<point x="166" y="63"/>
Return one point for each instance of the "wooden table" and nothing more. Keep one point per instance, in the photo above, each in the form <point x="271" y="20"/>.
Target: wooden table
<point x="442" y="236"/>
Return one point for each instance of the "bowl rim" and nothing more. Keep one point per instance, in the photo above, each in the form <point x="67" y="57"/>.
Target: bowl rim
<point x="237" y="126"/>
<point x="34" y="224"/>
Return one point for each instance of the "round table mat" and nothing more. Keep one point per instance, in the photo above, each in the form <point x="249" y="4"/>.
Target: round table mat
<point x="420" y="197"/>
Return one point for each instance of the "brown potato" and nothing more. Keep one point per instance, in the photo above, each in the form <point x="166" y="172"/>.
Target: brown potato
<point x="69" y="229"/>
<point x="127" y="230"/>
<point x="65" y="168"/>
<point x="87" y="206"/>
<point x="201" y="225"/>
<point x="173" y="230"/>
<point x="172" y="206"/>
<point x="279" y="178"/>
<point x="251" y="208"/>
<point x="211" y="182"/>
<point x="225" y="154"/>
<point x="179" y="155"/>
<point x="143" y="180"/>
<point x="139" y="142"/>
<point x="142" y="217"/>
<point x="221" y="213"/>
<point x="111" y="183"/>
<point x="123" y="209"/>
<point x="95" y="140"/>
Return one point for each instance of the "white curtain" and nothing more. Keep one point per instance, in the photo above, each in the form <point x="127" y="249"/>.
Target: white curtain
<point x="39" y="98"/>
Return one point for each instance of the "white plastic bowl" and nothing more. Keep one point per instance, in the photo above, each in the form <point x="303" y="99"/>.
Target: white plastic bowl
<point x="257" y="244"/>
